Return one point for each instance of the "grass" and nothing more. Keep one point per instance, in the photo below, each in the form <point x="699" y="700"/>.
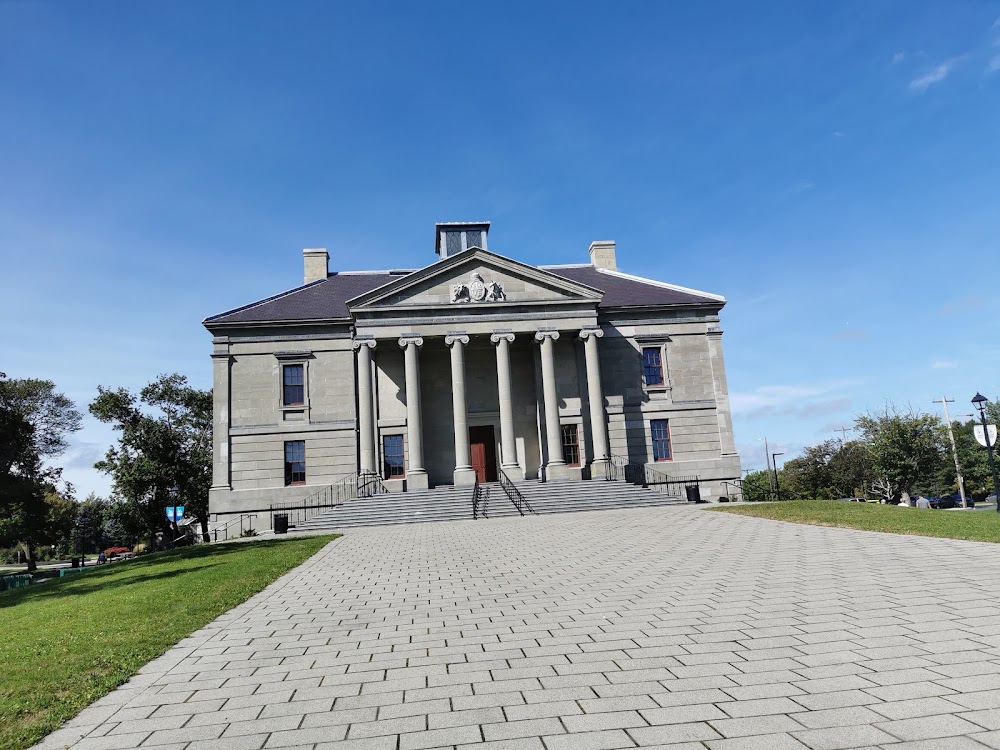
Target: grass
<point x="67" y="642"/>
<point x="981" y="525"/>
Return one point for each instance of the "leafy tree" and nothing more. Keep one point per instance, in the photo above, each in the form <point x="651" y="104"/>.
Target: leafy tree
<point x="907" y="450"/>
<point x="164" y="451"/>
<point x="850" y="469"/>
<point x="756" y="487"/>
<point x="809" y="475"/>
<point x="35" y="424"/>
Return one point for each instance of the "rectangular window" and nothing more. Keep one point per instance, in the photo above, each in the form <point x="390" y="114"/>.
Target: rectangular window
<point x="660" y="431"/>
<point x="295" y="462"/>
<point x="652" y="365"/>
<point x="392" y="453"/>
<point x="571" y="446"/>
<point x="293" y="379"/>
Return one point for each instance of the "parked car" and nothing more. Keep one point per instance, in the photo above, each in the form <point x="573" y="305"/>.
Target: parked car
<point x="954" y="500"/>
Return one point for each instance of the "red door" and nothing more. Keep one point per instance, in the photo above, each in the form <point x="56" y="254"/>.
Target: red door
<point x="483" y="448"/>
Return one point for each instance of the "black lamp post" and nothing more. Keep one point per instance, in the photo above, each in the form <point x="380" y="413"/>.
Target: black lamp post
<point x="774" y="462"/>
<point x="979" y="401"/>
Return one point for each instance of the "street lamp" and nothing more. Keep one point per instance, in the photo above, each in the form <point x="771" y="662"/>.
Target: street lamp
<point x="979" y="401"/>
<point x="777" y="488"/>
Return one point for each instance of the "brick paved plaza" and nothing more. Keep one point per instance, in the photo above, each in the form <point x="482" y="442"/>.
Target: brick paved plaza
<point x="665" y="627"/>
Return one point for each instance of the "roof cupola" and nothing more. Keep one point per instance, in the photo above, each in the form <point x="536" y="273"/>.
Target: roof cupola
<point x="455" y="236"/>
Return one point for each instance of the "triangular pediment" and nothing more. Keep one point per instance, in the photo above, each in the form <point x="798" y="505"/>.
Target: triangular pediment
<point x="476" y="277"/>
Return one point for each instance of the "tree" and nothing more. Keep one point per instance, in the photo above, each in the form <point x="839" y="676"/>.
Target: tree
<point x="907" y="450"/>
<point x="850" y="469"/>
<point x="809" y="475"/>
<point x="756" y="486"/>
<point x="164" y="451"/>
<point x="35" y="424"/>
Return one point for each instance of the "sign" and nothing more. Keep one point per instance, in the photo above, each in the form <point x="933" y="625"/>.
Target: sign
<point x="991" y="430"/>
<point x="175" y="513"/>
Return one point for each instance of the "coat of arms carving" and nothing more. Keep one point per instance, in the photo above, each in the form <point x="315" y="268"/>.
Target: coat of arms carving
<point x="478" y="290"/>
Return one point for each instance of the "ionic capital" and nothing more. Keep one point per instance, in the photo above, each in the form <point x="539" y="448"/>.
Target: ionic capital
<point x="359" y="342"/>
<point x="542" y="335"/>
<point x="453" y="338"/>
<point x="588" y="332"/>
<point x="412" y="338"/>
<point x="499" y="336"/>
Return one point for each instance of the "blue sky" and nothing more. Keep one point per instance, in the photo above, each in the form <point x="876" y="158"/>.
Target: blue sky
<point x="831" y="168"/>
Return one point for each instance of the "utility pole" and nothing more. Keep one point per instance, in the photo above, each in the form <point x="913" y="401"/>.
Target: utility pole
<point x="843" y="434"/>
<point x="944" y="401"/>
<point x="767" y="460"/>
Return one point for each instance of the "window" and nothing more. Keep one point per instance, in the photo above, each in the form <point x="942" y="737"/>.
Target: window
<point x="652" y="365"/>
<point x="295" y="462"/>
<point x="660" y="431"/>
<point x="473" y="239"/>
<point x="392" y="453"/>
<point x="571" y="446"/>
<point x="293" y="388"/>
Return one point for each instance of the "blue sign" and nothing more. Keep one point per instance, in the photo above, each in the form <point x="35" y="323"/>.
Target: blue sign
<point x="175" y="513"/>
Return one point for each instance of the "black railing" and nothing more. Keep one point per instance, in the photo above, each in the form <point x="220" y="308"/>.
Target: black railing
<point x="618" y="469"/>
<point x="480" y="496"/>
<point x="513" y="493"/>
<point x="245" y="520"/>
<point x="366" y="484"/>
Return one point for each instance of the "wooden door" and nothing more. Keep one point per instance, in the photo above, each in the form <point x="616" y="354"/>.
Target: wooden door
<point x="483" y="448"/>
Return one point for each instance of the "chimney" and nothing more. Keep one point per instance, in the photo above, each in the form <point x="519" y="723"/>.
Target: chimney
<point x="317" y="262"/>
<point x="602" y="254"/>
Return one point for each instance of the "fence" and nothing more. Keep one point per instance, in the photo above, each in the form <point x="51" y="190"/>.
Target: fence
<point x="348" y="488"/>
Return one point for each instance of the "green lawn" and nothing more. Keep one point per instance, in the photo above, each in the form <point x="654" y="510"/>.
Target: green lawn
<point x="67" y="642"/>
<point x="982" y="525"/>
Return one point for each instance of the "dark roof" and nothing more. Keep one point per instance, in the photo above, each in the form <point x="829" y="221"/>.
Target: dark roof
<point x="327" y="300"/>
<point x="622" y="290"/>
<point x="319" y="300"/>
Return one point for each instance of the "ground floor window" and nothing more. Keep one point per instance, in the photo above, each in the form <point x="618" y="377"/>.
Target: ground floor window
<point x="392" y="454"/>
<point x="660" y="431"/>
<point x="295" y="462"/>
<point x="571" y="445"/>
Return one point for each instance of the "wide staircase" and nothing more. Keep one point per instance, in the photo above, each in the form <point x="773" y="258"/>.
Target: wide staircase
<point x="455" y="503"/>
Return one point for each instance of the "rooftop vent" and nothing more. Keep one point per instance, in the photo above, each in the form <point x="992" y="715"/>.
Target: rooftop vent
<point x="455" y="236"/>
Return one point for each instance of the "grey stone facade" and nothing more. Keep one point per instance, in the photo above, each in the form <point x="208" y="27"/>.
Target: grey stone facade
<point x="525" y="350"/>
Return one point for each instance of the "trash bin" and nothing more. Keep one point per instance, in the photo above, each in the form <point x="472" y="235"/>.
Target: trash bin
<point x="280" y="523"/>
<point x="693" y="493"/>
<point x="75" y="562"/>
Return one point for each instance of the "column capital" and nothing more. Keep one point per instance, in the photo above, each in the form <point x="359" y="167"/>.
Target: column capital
<point x="586" y="333"/>
<point x="363" y="341"/>
<point x="410" y="338"/>
<point x="542" y="335"/>
<point x="452" y="338"/>
<point x="497" y="336"/>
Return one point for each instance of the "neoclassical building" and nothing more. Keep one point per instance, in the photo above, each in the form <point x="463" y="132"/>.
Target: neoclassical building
<point x="473" y="365"/>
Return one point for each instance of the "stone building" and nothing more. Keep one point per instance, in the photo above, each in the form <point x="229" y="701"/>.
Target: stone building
<point x="473" y="365"/>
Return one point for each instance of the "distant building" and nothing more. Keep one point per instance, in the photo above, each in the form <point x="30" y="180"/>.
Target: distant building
<point x="472" y="365"/>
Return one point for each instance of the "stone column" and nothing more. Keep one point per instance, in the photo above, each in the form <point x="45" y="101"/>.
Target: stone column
<point x="463" y="465"/>
<point x="416" y="475"/>
<point x="366" y="409"/>
<point x="508" y="443"/>
<point x="221" y="421"/>
<point x="553" y="435"/>
<point x="595" y="393"/>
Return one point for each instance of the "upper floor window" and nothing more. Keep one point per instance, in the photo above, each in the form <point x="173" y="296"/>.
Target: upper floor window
<point x="652" y="365"/>
<point x="392" y="454"/>
<point x="295" y="462"/>
<point x="293" y="385"/>
<point x="570" y="445"/>
<point x="660" y="431"/>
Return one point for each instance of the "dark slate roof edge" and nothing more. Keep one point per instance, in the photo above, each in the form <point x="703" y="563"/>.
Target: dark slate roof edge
<point x="664" y="285"/>
<point x="260" y="302"/>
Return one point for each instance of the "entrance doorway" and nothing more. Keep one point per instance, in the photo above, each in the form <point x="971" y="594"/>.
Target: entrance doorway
<point x="483" y="448"/>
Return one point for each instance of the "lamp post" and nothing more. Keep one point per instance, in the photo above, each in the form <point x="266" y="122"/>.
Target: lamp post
<point x="979" y="401"/>
<point x="777" y="487"/>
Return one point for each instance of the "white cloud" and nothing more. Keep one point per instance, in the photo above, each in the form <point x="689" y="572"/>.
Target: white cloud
<point x="935" y="75"/>
<point x="897" y="58"/>
<point x="944" y="364"/>
<point x="994" y="64"/>
<point x="792" y="400"/>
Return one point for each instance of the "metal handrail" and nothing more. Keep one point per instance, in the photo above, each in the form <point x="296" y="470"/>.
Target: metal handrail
<point x="225" y="527"/>
<point x="477" y="496"/>
<point x="614" y="468"/>
<point x="619" y="469"/>
<point x="365" y="484"/>
<point x="513" y="493"/>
